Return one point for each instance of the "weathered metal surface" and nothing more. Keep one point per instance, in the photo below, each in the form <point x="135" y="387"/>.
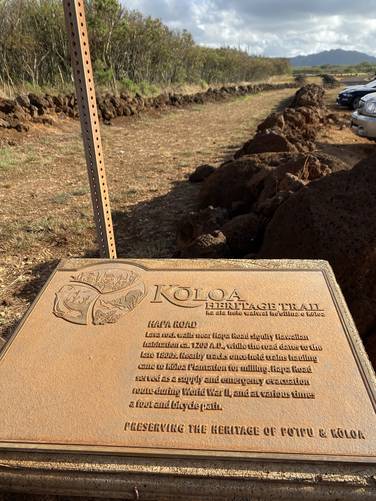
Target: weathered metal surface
<point x="178" y="479"/>
<point x="87" y="105"/>
<point x="192" y="359"/>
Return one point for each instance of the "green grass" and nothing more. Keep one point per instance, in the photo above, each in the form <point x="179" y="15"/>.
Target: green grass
<point x="26" y="87"/>
<point x="187" y="153"/>
<point x="43" y="231"/>
<point x="79" y="192"/>
<point x="57" y="224"/>
<point x="131" y="191"/>
<point x="248" y="98"/>
<point x="61" y="198"/>
<point x="44" y="224"/>
<point x="11" y="158"/>
<point x="7" y="159"/>
<point x="144" y="88"/>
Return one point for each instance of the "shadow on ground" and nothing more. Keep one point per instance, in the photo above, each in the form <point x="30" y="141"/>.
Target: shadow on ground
<point x="147" y="229"/>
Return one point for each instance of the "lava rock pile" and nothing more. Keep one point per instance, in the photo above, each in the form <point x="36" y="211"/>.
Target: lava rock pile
<point x="25" y="109"/>
<point x="293" y="202"/>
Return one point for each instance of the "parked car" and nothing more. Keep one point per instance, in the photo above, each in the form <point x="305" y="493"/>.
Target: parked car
<point x="363" y="120"/>
<point x="351" y="96"/>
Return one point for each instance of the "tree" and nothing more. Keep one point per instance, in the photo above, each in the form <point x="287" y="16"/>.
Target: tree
<point x="125" y="45"/>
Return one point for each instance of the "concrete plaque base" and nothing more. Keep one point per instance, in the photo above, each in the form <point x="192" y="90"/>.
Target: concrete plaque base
<point x="180" y="379"/>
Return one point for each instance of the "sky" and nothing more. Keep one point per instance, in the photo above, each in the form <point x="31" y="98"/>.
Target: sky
<point x="271" y="27"/>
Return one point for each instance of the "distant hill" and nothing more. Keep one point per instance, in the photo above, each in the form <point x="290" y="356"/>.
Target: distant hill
<point x="337" y="56"/>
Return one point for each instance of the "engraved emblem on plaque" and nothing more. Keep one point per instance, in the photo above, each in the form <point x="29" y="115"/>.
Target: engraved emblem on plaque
<point x="99" y="297"/>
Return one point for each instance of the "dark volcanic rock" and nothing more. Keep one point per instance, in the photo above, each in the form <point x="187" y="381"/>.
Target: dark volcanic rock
<point x="209" y="246"/>
<point x="270" y="140"/>
<point x="370" y="346"/>
<point x="330" y="81"/>
<point x="274" y="120"/>
<point x="228" y="184"/>
<point x="38" y="101"/>
<point x="334" y="219"/>
<point x="294" y="129"/>
<point x="7" y="106"/>
<point x="268" y="207"/>
<point x="23" y="101"/>
<point x="242" y="234"/>
<point x="298" y="126"/>
<point x="201" y="173"/>
<point x="291" y="183"/>
<point x="239" y="184"/>
<point x="111" y="106"/>
<point x="199" y="223"/>
<point x="4" y="123"/>
<point x="309" y="95"/>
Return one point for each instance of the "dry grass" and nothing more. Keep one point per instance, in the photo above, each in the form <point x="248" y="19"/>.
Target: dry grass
<point x="10" y="91"/>
<point x="45" y="211"/>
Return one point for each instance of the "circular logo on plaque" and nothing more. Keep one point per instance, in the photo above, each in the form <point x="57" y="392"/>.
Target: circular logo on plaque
<point x="99" y="297"/>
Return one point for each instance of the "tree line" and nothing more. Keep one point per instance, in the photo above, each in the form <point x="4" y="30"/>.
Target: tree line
<point x="126" y="47"/>
<point x="339" y="69"/>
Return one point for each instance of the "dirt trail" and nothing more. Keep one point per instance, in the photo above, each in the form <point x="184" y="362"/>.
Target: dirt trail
<point x="45" y="211"/>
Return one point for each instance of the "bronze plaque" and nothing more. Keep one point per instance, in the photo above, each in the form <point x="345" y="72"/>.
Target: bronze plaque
<point x="209" y="358"/>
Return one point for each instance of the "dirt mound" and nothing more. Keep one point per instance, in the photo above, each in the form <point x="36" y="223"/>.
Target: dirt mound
<point x="330" y="81"/>
<point x="294" y="129"/>
<point x="266" y="141"/>
<point x="300" y="80"/>
<point x="208" y="246"/>
<point x="240" y="185"/>
<point x="278" y="162"/>
<point x="243" y="234"/>
<point x="201" y="173"/>
<point x="310" y="95"/>
<point x="18" y="113"/>
<point x="202" y="222"/>
<point x="239" y="199"/>
<point x="12" y="115"/>
<point x="334" y="219"/>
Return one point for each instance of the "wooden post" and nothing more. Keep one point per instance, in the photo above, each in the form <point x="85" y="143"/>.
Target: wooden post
<point x="87" y="106"/>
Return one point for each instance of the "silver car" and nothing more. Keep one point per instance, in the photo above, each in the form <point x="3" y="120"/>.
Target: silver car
<point x="363" y="121"/>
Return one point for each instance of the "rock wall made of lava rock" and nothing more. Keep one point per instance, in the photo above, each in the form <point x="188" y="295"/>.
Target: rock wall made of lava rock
<point x="25" y="109"/>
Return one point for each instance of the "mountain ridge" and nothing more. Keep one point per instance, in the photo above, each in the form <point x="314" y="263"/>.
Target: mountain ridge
<point x="334" y="56"/>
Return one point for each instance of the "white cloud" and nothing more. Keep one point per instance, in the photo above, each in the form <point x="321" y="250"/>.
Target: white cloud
<point x="271" y="27"/>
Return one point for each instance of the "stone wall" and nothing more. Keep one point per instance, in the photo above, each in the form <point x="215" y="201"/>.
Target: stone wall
<point x="25" y="109"/>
